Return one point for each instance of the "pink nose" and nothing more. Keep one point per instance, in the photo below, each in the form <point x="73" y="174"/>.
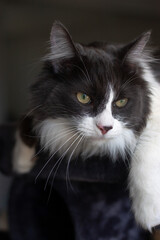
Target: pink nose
<point x="104" y="129"/>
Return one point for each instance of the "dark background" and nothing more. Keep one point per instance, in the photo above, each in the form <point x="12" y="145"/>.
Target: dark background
<point x="24" y="33"/>
<point x="25" y="27"/>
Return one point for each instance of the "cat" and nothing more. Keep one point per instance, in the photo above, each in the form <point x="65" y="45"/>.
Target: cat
<point x="99" y="100"/>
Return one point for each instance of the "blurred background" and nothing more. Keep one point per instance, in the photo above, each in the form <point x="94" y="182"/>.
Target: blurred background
<point x="25" y="27"/>
<point x="24" y="33"/>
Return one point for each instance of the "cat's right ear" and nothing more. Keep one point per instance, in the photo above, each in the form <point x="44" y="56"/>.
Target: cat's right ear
<point x="61" y="44"/>
<point x="135" y="50"/>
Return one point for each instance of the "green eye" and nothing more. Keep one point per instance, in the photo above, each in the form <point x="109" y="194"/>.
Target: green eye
<point x="121" y="103"/>
<point x="83" y="98"/>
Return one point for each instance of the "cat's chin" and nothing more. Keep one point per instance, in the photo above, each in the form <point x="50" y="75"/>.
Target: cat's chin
<point x="100" y="138"/>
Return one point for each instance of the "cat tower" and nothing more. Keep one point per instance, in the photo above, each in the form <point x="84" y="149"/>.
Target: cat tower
<point x="90" y="203"/>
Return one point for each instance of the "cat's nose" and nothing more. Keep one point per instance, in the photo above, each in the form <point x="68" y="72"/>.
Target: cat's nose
<point x="104" y="129"/>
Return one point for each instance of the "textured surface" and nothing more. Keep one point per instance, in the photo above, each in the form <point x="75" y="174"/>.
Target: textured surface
<point x="96" y="207"/>
<point x="94" y="211"/>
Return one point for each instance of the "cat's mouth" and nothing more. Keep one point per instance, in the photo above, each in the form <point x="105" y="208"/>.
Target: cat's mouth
<point x="99" y="138"/>
<point x="103" y="138"/>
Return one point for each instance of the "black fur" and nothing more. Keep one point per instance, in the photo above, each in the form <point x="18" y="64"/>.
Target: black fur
<point x="92" y="70"/>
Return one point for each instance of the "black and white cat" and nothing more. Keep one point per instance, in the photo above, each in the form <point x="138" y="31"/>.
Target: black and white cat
<point x="100" y="99"/>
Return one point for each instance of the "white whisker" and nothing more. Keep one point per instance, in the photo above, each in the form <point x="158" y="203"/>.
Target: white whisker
<point x="31" y="111"/>
<point x="53" y="155"/>
<point x="59" y="161"/>
<point x="69" y="160"/>
<point x="58" y="137"/>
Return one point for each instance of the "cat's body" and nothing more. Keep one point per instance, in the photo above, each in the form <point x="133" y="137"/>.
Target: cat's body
<point x="101" y="99"/>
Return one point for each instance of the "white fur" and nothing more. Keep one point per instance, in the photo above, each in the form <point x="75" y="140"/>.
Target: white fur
<point x="116" y="141"/>
<point x="62" y="135"/>
<point x="105" y="118"/>
<point x="145" y="166"/>
<point x="57" y="139"/>
<point x="22" y="156"/>
<point x="59" y="136"/>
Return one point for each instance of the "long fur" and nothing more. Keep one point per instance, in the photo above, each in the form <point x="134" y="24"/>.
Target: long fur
<point x="57" y="137"/>
<point x="145" y="165"/>
<point x="68" y="128"/>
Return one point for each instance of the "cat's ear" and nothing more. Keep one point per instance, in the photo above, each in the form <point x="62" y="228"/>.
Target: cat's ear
<point x="135" y="50"/>
<point x="62" y="46"/>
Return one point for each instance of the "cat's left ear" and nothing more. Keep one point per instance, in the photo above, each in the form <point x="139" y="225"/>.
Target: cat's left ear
<point x="62" y="46"/>
<point x="135" y="51"/>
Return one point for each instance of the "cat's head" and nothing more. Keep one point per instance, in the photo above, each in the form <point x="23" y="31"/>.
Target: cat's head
<point x="91" y="99"/>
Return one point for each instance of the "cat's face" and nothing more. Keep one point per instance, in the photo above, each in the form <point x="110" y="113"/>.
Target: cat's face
<point x="90" y="99"/>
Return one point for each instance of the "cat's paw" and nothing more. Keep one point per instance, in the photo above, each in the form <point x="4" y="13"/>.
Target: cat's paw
<point x="156" y="232"/>
<point x="147" y="215"/>
<point x="23" y="156"/>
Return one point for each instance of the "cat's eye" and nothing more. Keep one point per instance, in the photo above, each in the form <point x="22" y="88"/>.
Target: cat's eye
<point x="121" y="103"/>
<point x="83" y="98"/>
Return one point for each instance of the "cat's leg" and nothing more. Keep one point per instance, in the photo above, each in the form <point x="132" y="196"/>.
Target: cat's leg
<point x="3" y="221"/>
<point x="23" y="156"/>
<point x="145" y="177"/>
<point x="156" y="232"/>
<point x="24" y="149"/>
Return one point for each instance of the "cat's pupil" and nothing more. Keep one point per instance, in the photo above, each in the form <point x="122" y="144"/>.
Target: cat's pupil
<point x="121" y="103"/>
<point x="84" y="96"/>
